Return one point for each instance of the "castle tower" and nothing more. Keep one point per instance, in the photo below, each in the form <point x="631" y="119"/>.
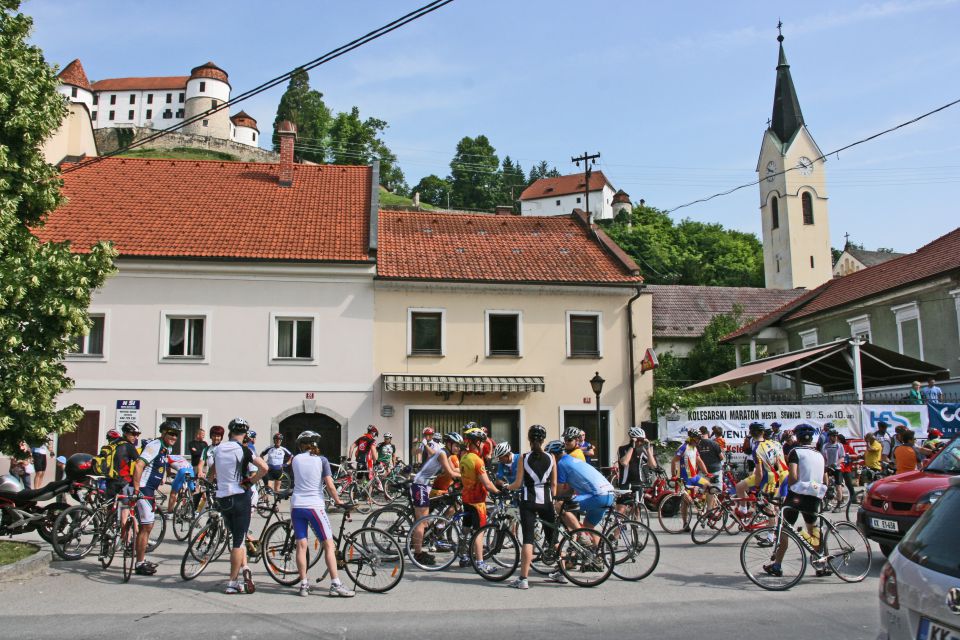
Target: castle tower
<point x="75" y="85"/>
<point x="793" y="194"/>
<point x="207" y="88"/>
<point x="621" y="202"/>
<point x="245" y="129"/>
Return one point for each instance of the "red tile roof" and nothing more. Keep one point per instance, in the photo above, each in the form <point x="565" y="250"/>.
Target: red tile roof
<point x="141" y="84"/>
<point x="936" y="258"/>
<point x="564" y="185"/>
<point x="243" y="119"/>
<point x="209" y="70"/>
<point x="73" y="74"/>
<point x="497" y="248"/>
<point x="682" y="311"/>
<point x="235" y="210"/>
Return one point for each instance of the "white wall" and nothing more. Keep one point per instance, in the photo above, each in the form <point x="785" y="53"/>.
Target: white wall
<point x="244" y="135"/>
<point x="140" y="107"/>
<point x="601" y="203"/>
<point x="212" y="89"/>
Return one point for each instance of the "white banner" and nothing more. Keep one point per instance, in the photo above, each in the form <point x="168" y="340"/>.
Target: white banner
<point x="735" y="421"/>
<point x="912" y="416"/>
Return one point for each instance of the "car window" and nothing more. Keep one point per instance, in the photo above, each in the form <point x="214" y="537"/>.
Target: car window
<point x="949" y="459"/>
<point x="932" y="542"/>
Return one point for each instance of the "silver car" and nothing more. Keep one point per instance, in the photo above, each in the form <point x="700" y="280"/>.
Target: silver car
<point x="920" y="584"/>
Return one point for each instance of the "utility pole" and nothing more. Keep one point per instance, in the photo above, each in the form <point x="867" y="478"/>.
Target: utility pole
<point x="588" y="161"/>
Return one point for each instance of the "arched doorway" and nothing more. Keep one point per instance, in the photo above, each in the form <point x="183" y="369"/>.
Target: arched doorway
<point x="327" y="427"/>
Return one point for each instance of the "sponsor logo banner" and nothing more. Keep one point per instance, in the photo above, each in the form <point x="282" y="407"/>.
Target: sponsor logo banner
<point x="945" y="417"/>
<point x="912" y="416"/>
<point x="735" y="421"/>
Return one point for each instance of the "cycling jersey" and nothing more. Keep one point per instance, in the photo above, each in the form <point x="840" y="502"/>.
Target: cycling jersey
<point x="309" y="475"/>
<point x="431" y="467"/>
<point x="486" y="448"/>
<point x="832" y="451"/>
<point x="507" y="472"/>
<point x="208" y="455"/>
<point x="710" y="454"/>
<point x="231" y="461"/>
<point x="907" y="458"/>
<point x="386" y="451"/>
<point x="586" y="446"/>
<point x="365" y="446"/>
<point x="632" y="472"/>
<point x="769" y="455"/>
<point x="537" y="476"/>
<point x="124" y="460"/>
<point x="688" y="461"/>
<point x="578" y="454"/>
<point x="886" y="442"/>
<point x="177" y="462"/>
<point x="582" y="477"/>
<point x="154" y="454"/>
<point x="443" y="480"/>
<point x="871" y="457"/>
<point x="471" y="474"/>
<point x="276" y="457"/>
<point x="810" y="465"/>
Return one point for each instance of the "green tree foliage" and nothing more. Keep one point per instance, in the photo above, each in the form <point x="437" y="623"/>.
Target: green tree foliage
<point x="433" y="190"/>
<point x="512" y="182"/>
<point x="542" y="170"/>
<point x="357" y="141"/>
<point x="305" y="108"/>
<point x="474" y="174"/>
<point x="45" y="288"/>
<point x="690" y="252"/>
<point x="709" y="357"/>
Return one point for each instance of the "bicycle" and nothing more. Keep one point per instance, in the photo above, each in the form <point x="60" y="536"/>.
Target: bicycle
<point x="500" y="544"/>
<point x="80" y="528"/>
<point x="671" y="512"/>
<point x="443" y="538"/>
<point x="728" y="516"/>
<point x="842" y="548"/>
<point x="585" y="556"/>
<point x="635" y="546"/>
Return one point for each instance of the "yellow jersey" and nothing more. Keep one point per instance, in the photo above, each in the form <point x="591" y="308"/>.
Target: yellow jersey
<point x="871" y="457"/>
<point x="471" y="471"/>
<point x="577" y="453"/>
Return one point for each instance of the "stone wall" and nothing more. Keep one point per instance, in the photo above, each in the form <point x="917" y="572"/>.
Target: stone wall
<point x="108" y="141"/>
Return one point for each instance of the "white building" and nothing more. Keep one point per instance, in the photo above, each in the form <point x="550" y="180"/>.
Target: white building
<point x="159" y="102"/>
<point x="560" y="196"/>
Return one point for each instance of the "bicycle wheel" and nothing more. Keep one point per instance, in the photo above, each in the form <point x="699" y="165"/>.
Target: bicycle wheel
<point x="204" y="547"/>
<point x="674" y="515"/>
<point x="76" y="532"/>
<point x="182" y="517"/>
<point x="159" y="530"/>
<point x="108" y="544"/>
<point x="544" y="558"/>
<point x="50" y="514"/>
<point x="441" y="540"/>
<point x="586" y="557"/>
<point x="639" y="513"/>
<point x="128" y="541"/>
<point x="636" y="550"/>
<point x="709" y="525"/>
<point x="264" y="504"/>
<point x="500" y="547"/>
<point x="394" y="520"/>
<point x="373" y="559"/>
<point x="847" y="551"/>
<point x="758" y="551"/>
<point x="360" y="497"/>
<point x="280" y="553"/>
<point x="852" y="505"/>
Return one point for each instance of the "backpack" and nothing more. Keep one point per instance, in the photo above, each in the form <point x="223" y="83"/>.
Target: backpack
<point x="104" y="464"/>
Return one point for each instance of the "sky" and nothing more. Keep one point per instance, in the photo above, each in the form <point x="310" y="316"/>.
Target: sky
<point x="674" y="96"/>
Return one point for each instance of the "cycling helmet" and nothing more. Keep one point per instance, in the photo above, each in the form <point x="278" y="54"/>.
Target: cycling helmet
<point x="934" y="433"/>
<point x="278" y="436"/>
<point x="571" y="433"/>
<point x="453" y="436"/>
<point x="637" y="432"/>
<point x="756" y="428"/>
<point x="309" y="437"/>
<point x="775" y="425"/>
<point x="372" y="430"/>
<point x="693" y="433"/>
<point x="554" y="447"/>
<point x="129" y="427"/>
<point x="501" y="449"/>
<point x="170" y="425"/>
<point x="216" y="430"/>
<point x="238" y="425"/>
<point x="436" y="438"/>
<point x="470" y="425"/>
<point x="428" y="431"/>
<point x="804" y="433"/>
<point x="828" y="426"/>
<point x="112" y="435"/>
<point x="768" y="432"/>
<point x="387" y="435"/>
<point x="476" y="434"/>
<point x="536" y="433"/>
<point x="252" y="434"/>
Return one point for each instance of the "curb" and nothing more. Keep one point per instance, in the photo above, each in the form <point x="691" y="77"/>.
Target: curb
<point x="29" y="566"/>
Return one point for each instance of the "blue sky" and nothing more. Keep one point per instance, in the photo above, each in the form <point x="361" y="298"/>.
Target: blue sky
<point x="675" y="96"/>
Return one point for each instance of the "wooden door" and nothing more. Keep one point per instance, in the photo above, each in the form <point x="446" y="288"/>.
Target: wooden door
<point x="83" y="439"/>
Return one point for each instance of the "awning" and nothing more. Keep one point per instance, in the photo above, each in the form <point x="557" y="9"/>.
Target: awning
<point x="454" y="383"/>
<point x="831" y="367"/>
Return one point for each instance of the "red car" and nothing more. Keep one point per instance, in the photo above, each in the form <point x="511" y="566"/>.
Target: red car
<point x="893" y="504"/>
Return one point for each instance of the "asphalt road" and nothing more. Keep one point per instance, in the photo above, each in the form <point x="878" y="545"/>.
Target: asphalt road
<point x="695" y="592"/>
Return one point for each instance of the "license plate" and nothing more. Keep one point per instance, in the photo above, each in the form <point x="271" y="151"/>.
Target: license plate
<point x="930" y="630"/>
<point x="886" y="525"/>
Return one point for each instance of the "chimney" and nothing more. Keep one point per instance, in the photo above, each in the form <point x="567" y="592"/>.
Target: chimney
<point x="504" y="210"/>
<point x="287" y="132"/>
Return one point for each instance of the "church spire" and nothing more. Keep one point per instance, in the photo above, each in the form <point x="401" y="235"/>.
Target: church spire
<point x="787" y="116"/>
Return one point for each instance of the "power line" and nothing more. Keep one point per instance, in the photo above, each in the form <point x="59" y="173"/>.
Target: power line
<point x="822" y="158"/>
<point x="312" y="64"/>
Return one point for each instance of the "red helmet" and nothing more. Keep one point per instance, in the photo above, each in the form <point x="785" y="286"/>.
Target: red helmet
<point x="113" y="434"/>
<point x="216" y="430"/>
<point x="935" y="433"/>
<point x="372" y="430"/>
<point x="428" y="431"/>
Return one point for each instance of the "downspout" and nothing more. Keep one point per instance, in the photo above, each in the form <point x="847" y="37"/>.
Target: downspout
<point x="630" y="338"/>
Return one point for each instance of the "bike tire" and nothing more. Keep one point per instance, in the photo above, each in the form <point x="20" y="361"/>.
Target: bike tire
<point x="848" y="552"/>
<point x="128" y="539"/>
<point x="670" y="513"/>
<point x="373" y="559"/>
<point x="441" y="538"/>
<point x="394" y="520"/>
<point x="360" y="497"/>
<point x="158" y="532"/>
<point x="636" y="550"/>
<point x="709" y="525"/>
<point x="75" y="532"/>
<point x="539" y="563"/>
<point x="279" y="553"/>
<point x="108" y="546"/>
<point x="45" y="527"/>
<point x="182" y="517"/>
<point x="586" y="565"/>
<point x="853" y="505"/>
<point x="758" y="550"/>
<point x="501" y="547"/>
<point x="204" y="547"/>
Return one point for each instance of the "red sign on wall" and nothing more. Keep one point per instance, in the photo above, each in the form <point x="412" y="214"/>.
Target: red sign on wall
<point x="309" y="395"/>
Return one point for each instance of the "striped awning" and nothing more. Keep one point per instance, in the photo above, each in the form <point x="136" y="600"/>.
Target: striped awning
<point x="474" y="384"/>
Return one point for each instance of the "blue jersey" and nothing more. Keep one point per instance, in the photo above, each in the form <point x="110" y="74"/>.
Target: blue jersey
<point x="507" y="472"/>
<point x="582" y="478"/>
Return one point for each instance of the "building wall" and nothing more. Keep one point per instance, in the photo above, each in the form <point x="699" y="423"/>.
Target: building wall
<point x="107" y="142"/>
<point x="121" y="109"/>
<point x="244" y="135"/>
<point x="601" y="203"/>
<point x="543" y="330"/>
<point x="74" y="138"/>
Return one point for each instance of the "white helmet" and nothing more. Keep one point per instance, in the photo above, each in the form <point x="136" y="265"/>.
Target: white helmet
<point x="501" y="449"/>
<point x="637" y="432"/>
<point x="387" y="435"/>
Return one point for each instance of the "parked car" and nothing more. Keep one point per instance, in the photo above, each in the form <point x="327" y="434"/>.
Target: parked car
<point x="920" y="585"/>
<point x="891" y="505"/>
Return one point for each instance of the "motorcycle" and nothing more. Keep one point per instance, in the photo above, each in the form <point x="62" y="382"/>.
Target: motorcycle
<point x="21" y="513"/>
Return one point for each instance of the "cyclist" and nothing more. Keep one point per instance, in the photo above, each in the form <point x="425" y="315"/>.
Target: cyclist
<point x="885" y="440"/>
<point x="196" y="449"/>
<point x="423" y="450"/>
<point x="908" y="456"/>
<point x="571" y="443"/>
<point x="635" y="460"/>
<point x="435" y="461"/>
<point x="387" y="451"/>
<point x="770" y="467"/>
<point x="872" y="455"/>
<point x="453" y="442"/>
<point x="487" y="446"/>
<point x="363" y="449"/>
<point x="934" y="440"/>
<point x="506" y="471"/>
<point x="230" y="466"/>
<point x="712" y="457"/>
<point x="311" y="475"/>
<point x="537" y="476"/>
<point x="775" y="433"/>
<point x="847" y="460"/>
<point x="692" y="472"/>
<point x="807" y="482"/>
<point x="716" y="434"/>
<point x="124" y="461"/>
<point x="589" y="451"/>
<point x="147" y="477"/>
<point x="216" y="436"/>
<point x="251" y="442"/>
<point x="476" y="486"/>
<point x="183" y="470"/>
<point x="832" y="452"/>
<point x="277" y="458"/>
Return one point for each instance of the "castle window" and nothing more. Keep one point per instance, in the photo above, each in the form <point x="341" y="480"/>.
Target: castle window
<point x="558" y="203"/>
<point x="130" y="114"/>
<point x="774" y="213"/>
<point x="169" y="98"/>
<point x="203" y="86"/>
<point x="214" y="104"/>
<point x="113" y="99"/>
<point x="181" y="97"/>
<point x="206" y="122"/>
<point x="149" y="113"/>
<point x="807" y="200"/>
<point x="73" y="92"/>
<point x="149" y="98"/>
<point x="96" y="99"/>
<point x="179" y="113"/>
<point x="93" y="116"/>
<point x="778" y="264"/>
<point x="811" y="262"/>
<point x="254" y="136"/>
<point x="167" y="114"/>
<point x="110" y="116"/>
<point x="133" y="98"/>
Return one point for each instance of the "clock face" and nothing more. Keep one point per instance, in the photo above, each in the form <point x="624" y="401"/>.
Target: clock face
<point x="771" y="169"/>
<point x="805" y="165"/>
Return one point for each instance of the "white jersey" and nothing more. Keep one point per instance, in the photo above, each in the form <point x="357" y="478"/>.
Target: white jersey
<point x="810" y="465"/>
<point x="431" y="467"/>
<point x="178" y="462"/>
<point x="231" y="461"/>
<point x="275" y="456"/>
<point x="309" y="472"/>
<point x="208" y="455"/>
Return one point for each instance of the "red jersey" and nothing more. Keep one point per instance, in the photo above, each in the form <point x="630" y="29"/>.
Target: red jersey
<point x="365" y="446"/>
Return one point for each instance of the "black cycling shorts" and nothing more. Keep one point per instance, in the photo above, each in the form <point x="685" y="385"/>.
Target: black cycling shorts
<point x="809" y="507"/>
<point x="39" y="462"/>
<point x="529" y="514"/>
<point x="274" y="474"/>
<point x="236" y="515"/>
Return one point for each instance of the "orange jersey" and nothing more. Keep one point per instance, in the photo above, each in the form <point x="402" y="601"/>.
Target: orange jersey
<point x="443" y="481"/>
<point x="471" y="472"/>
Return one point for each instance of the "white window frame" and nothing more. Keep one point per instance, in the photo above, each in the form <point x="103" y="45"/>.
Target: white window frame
<point x="905" y="313"/>
<point x="443" y="331"/>
<point x="163" y="415"/>
<point x="275" y="318"/>
<point x="96" y="357"/>
<point x="166" y="315"/>
<point x="808" y="338"/>
<point x="599" y="316"/>
<point x="860" y="325"/>
<point x="486" y="331"/>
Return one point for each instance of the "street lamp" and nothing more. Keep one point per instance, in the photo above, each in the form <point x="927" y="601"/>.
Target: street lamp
<point x="596" y="383"/>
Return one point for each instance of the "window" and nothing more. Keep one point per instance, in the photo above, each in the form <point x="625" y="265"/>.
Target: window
<point x="774" y="213"/>
<point x="811" y="262"/>
<point x="185" y="336"/>
<point x="96" y="99"/>
<point x="167" y="114"/>
<point x="583" y="335"/>
<point x="149" y="113"/>
<point x="293" y="337"/>
<point x="149" y="98"/>
<point x="110" y="116"/>
<point x="807" y="200"/>
<point x="181" y="97"/>
<point x="214" y="104"/>
<point x="425" y="333"/>
<point x="503" y="333"/>
<point x="73" y="92"/>
<point x="113" y="99"/>
<point x="133" y="98"/>
<point x="504" y="424"/>
<point x="203" y="86"/>
<point x="808" y="338"/>
<point x="956" y="303"/>
<point x="93" y="116"/>
<point x="254" y="134"/>
<point x="130" y="114"/>
<point x="179" y="113"/>
<point x="860" y="327"/>
<point x="92" y="343"/>
<point x="578" y="199"/>
<point x="169" y="98"/>
<point x="927" y="544"/>
<point x="189" y="426"/>
<point x="206" y="122"/>
<point x="909" y="333"/>
<point x="558" y="203"/>
<point x="778" y="264"/>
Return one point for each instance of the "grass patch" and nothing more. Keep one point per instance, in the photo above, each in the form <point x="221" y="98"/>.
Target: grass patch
<point x="180" y="153"/>
<point x="10" y="552"/>
<point x="388" y="200"/>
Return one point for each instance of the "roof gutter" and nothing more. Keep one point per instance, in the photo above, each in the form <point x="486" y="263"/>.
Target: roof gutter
<point x="630" y="338"/>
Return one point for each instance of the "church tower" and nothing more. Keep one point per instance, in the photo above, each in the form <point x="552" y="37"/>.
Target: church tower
<point x="793" y="194"/>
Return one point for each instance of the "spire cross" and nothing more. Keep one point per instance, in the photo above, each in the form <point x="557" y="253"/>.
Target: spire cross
<point x="779" y="31"/>
<point x="846" y="237"/>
